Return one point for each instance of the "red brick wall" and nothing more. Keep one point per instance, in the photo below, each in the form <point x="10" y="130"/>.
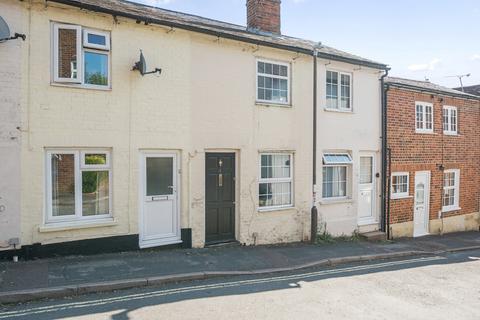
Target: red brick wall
<point x="413" y="152"/>
<point x="264" y="15"/>
<point x="67" y="51"/>
<point x="64" y="171"/>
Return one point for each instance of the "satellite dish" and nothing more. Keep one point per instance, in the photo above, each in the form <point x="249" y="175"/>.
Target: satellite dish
<point x="4" y="30"/>
<point x="141" y="66"/>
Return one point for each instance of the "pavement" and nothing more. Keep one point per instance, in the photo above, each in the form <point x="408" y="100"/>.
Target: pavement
<point x="76" y="275"/>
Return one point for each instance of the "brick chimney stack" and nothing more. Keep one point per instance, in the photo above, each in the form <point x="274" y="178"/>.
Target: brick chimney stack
<point x="264" y="15"/>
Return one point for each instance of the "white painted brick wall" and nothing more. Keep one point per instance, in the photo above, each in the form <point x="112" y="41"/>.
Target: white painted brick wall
<point x="10" y="119"/>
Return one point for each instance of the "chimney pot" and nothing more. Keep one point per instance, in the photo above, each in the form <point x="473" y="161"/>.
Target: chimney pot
<point x="264" y="15"/>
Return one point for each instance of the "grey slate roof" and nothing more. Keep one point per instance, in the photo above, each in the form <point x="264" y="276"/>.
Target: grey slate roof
<point x="217" y="28"/>
<point x="475" y="90"/>
<point x="426" y="86"/>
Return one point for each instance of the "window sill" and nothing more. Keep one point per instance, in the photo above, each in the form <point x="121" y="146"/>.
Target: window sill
<point x="424" y="132"/>
<point x="81" y="86"/>
<point x="335" y="201"/>
<point x="450" y="209"/>
<point x="450" y="133"/>
<point x="270" y="209"/>
<point x="400" y="197"/>
<point x="272" y="104"/>
<point x="348" y="111"/>
<point x="74" y="225"/>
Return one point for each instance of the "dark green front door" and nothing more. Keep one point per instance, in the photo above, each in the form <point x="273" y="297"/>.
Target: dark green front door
<point x="219" y="197"/>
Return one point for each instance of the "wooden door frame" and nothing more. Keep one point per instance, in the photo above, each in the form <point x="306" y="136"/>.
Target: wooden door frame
<point x="141" y="192"/>
<point x="236" y="224"/>
<point x="427" y="200"/>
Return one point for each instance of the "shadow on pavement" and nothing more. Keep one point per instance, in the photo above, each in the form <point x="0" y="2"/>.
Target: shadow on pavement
<point x="134" y="299"/>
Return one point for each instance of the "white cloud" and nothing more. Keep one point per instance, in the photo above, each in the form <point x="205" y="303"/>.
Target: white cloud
<point x="425" y="66"/>
<point x="476" y="57"/>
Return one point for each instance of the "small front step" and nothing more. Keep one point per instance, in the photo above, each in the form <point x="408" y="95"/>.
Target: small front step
<point x="374" y="236"/>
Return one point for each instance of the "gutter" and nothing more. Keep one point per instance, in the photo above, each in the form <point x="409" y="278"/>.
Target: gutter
<point x="432" y="91"/>
<point x="384" y="220"/>
<point x="217" y="33"/>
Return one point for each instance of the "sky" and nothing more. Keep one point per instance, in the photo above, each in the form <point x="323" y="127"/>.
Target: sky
<point x="419" y="39"/>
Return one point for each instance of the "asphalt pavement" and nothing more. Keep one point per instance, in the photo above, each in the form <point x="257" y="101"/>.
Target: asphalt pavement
<point x="443" y="286"/>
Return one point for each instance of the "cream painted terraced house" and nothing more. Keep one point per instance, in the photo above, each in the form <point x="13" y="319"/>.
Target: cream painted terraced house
<point x="135" y="127"/>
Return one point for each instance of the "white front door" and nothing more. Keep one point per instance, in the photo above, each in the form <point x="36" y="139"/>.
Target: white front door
<point x="159" y="215"/>
<point x="421" y="203"/>
<point x="366" y="190"/>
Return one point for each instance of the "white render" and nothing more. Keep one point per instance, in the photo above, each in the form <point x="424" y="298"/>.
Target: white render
<point x="355" y="132"/>
<point x="12" y="65"/>
<point x="204" y="101"/>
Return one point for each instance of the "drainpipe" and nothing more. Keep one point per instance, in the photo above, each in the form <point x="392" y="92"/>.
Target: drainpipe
<point x="384" y="90"/>
<point x="389" y="187"/>
<point x="314" y="212"/>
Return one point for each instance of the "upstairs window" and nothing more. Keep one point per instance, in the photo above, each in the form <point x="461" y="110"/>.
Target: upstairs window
<point x="273" y="82"/>
<point x="424" y="117"/>
<point x="449" y="120"/>
<point x="339" y="92"/>
<point x="81" y="56"/>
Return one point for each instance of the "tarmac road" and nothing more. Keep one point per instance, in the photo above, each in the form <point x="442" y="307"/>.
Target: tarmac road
<point x="433" y="287"/>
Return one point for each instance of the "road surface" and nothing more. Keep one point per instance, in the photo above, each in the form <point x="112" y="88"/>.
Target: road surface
<point x="433" y="287"/>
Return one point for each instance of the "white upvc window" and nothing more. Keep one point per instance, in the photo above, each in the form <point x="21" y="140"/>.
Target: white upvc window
<point x="276" y="181"/>
<point x="95" y="39"/>
<point x="451" y="190"/>
<point x="400" y="185"/>
<point x="450" y="119"/>
<point x="78" y="185"/>
<point x="81" y="62"/>
<point x="339" y="90"/>
<point x="423" y="117"/>
<point x="273" y="82"/>
<point x="335" y="175"/>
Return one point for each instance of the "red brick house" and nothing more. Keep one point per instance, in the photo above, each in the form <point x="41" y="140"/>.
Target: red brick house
<point x="433" y="136"/>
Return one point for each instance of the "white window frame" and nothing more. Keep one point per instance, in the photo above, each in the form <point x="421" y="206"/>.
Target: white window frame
<point x="78" y="169"/>
<point x="94" y="166"/>
<point x="263" y="101"/>
<point x="339" y="91"/>
<point x="82" y="47"/>
<point x="347" y="164"/>
<point x="276" y="180"/>
<point x="400" y="195"/>
<point x="449" y="122"/>
<point x="89" y="85"/>
<point x="424" y="105"/>
<point x="78" y="29"/>
<point x="87" y="44"/>
<point x="456" y="188"/>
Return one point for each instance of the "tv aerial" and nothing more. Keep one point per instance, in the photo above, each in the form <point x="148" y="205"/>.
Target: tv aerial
<point x="460" y="76"/>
